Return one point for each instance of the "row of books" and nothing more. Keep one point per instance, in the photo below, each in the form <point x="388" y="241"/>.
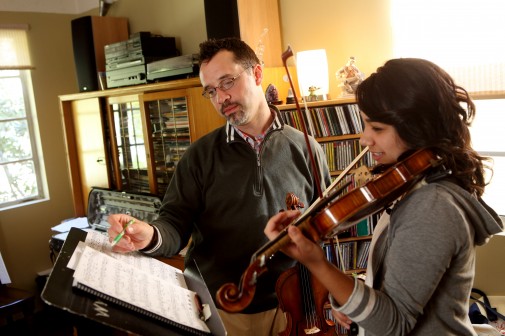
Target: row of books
<point x="170" y="137"/>
<point x="167" y="155"/>
<point x="136" y="179"/>
<point x="364" y="228"/>
<point x="336" y="120"/>
<point x="168" y="110"/>
<point x="292" y="118"/>
<point x="161" y="149"/>
<point x="340" y="154"/>
<point x="351" y="255"/>
<point x="159" y="124"/>
<point x="327" y="121"/>
<point x="168" y="105"/>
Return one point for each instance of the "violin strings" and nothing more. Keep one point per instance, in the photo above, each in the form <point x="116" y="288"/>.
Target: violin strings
<point x="307" y="297"/>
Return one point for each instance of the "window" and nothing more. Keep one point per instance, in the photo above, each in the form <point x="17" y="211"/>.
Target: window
<point x="21" y="175"/>
<point x="463" y="37"/>
<point x="488" y="140"/>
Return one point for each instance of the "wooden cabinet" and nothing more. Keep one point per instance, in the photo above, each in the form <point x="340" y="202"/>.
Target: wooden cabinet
<point x="132" y="138"/>
<point x="169" y="135"/>
<point x="260" y="28"/>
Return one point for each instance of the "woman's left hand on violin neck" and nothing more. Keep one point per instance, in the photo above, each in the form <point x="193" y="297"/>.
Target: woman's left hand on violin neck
<point x="300" y="247"/>
<point x="310" y="254"/>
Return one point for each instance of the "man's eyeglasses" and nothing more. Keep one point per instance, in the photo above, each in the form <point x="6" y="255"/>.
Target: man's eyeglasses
<point x="223" y="85"/>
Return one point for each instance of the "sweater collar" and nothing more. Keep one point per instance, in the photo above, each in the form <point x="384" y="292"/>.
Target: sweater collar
<point x="233" y="134"/>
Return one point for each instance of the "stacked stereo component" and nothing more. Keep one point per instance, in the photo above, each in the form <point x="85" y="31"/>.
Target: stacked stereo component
<point x="184" y="66"/>
<point x="126" y="61"/>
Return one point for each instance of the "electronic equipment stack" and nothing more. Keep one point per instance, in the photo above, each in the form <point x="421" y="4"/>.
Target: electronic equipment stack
<point x="126" y="61"/>
<point x="183" y="66"/>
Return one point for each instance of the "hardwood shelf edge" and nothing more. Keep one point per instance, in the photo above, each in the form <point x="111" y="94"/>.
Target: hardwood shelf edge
<point x="135" y="89"/>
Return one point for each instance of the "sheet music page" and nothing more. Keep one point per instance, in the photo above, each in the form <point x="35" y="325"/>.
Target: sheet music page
<point x="136" y="287"/>
<point x="4" y="275"/>
<point x="100" y="242"/>
<point x="80" y="223"/>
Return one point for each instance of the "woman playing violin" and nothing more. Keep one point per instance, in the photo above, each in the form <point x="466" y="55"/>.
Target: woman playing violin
<point x="421" y="264"/>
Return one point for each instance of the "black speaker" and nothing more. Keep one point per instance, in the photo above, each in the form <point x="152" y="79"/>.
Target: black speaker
<point x="90" y="34"/>
<point x="221" y="18"/>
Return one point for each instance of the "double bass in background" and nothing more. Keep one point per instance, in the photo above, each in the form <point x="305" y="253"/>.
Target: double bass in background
<point x="330" y="214"/>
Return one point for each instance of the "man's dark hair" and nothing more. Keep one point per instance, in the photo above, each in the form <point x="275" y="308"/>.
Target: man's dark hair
<point x="242" y="52"/>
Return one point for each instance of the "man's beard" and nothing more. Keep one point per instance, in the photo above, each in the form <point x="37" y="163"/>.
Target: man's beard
<point x="237" y="118"/>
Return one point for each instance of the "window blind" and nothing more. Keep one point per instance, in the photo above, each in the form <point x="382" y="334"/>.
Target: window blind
<point x="14" y="51"/>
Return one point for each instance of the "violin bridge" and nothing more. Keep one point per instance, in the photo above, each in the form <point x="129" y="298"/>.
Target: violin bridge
<point x="362" y="175"/>
<point x="313" y="330"/>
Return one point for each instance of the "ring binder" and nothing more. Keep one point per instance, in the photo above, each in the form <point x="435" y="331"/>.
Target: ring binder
<point x="58" y="292"/>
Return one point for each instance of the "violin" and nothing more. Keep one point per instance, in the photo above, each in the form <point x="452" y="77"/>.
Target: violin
<point x="330" y="214"/>
<point x="302" y="297"/>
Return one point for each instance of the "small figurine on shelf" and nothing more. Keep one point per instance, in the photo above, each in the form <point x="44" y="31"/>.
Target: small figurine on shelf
<point x="312" y="95"/>
<point x="312" y="89"/>
<point x="272" y="95"/>
<point x="290" y="99"/>
<point x="350" y="76"/>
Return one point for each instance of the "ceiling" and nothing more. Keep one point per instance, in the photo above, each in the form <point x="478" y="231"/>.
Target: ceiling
<point x="48" y="6"/>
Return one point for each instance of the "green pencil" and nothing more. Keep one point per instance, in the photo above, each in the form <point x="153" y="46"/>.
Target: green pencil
<point x="121" y="234"/>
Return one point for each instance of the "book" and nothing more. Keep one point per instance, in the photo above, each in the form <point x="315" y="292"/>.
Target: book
<point x="140" y="283"/>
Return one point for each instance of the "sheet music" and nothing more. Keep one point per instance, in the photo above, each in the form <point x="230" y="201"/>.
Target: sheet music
<point x="116" y="279"/>
<point x="4" y="275"/>
<point x="80" y="223"/>
<point x="100" y="242"/>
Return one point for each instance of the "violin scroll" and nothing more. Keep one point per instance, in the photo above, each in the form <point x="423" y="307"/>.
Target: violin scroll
<point x="233" y="298"/>
<point x="293" y="202"/>
<point x="230" y="298"/>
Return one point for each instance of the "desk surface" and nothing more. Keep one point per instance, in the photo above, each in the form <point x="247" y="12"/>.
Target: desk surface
<point x="58" y="292"/>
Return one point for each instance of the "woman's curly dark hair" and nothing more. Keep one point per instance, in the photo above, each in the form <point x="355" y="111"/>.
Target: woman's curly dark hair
<point x="428" y="110"/>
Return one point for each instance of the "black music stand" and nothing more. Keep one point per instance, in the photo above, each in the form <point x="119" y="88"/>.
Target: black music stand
<point x="58" y="292"/>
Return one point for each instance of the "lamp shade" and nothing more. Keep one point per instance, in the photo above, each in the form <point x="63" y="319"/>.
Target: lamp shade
<point x="312" y="71"/>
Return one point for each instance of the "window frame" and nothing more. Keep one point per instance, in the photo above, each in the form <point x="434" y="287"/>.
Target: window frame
<point x="34" y="136"/>
<point x="492" y="194"/>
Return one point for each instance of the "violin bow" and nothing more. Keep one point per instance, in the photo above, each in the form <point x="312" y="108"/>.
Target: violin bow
<point x="285" y="55"/>
<point x="345" y="171"/>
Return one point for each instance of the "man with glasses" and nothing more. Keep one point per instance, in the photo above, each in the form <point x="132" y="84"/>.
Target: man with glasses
<point x="228" y="184"/>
